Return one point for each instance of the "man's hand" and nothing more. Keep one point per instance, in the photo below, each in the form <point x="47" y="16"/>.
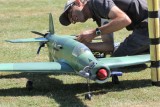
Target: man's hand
<point x="86" y="36"/>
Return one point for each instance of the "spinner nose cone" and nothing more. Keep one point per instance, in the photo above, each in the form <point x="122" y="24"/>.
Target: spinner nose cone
<point x="102" y="74"/>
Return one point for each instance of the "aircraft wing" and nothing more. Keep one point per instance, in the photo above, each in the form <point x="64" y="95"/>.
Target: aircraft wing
<point x="116" y="62"/>
<point x="28" y="40"/>
<point x="70" y="36"/>
<point x="74" y="37"/>
<point x="46" y="67"/>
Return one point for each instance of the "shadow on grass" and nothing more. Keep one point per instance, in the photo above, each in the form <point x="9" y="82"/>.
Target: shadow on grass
<point x="66" y="94"/>
<point x="63" y="94"/>
<point x="134" y="68"/>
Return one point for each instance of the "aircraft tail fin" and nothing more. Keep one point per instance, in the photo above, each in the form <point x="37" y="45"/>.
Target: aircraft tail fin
<point x="51" y="26"/>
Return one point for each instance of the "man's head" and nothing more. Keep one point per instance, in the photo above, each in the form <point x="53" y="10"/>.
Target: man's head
<point x="73" y="12"/>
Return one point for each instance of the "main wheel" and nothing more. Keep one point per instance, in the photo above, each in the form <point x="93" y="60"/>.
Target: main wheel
<point x="29" y="85"/>
<point x="115" y="79"/>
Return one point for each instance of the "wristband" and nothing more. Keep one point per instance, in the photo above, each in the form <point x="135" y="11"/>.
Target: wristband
<point x="98" y="32"/>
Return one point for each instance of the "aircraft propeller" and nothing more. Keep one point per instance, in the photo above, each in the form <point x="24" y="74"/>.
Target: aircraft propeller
<point x="38" y="33"/>
<point x="42" y="44"/>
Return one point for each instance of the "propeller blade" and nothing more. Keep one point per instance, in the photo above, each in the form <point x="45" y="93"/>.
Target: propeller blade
<point x="38" y="33"/>
<point x="39" y="50"/>
<point x="41" y="45"/>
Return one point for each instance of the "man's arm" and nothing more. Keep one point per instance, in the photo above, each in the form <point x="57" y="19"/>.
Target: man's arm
<point x="118" y="21"/>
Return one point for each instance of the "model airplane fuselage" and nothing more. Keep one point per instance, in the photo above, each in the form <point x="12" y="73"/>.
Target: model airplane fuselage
<point x="63" y="49"/>
<point x="77" y="55"/>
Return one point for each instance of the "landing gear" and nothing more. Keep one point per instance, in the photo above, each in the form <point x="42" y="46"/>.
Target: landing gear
<point x="114" y="75"/>
<point x="115" y="79"/>
<point x="88" y="96"/>
<point x="86" y="72"/>
<point x="29" y="85"/>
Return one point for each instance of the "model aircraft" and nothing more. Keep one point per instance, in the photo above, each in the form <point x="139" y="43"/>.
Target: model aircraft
<point x="66" y="55"/>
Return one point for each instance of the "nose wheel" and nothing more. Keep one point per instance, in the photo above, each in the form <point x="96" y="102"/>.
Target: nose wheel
<point x="88" y="96"/>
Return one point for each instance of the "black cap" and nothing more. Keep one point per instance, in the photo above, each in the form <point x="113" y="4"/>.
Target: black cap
<point x="64" y="20"/>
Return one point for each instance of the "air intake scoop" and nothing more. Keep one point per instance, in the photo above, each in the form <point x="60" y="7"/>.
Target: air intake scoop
<point x="102" y="74"/>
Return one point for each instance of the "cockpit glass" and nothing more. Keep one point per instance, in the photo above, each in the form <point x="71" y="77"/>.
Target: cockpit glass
<point x="79" y="49"/>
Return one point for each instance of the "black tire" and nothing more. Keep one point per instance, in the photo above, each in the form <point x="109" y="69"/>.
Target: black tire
<point x="88" y="96"/>
<point x="115" y="79"/>
<point x="29" y="85"/>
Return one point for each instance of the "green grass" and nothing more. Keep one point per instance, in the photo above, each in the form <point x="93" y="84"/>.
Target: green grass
<point x="17" y="19"/>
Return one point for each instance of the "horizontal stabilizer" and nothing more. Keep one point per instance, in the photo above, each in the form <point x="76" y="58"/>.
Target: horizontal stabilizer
<point x="49" y="67"/>
<point x="28" y="40"/>
<point x="116" y="62"/>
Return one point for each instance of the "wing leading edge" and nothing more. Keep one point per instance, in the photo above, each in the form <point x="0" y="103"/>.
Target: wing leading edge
<point x="49" y="67"/>
<point x="28" y="40"/>
<point x="116" y="62"/>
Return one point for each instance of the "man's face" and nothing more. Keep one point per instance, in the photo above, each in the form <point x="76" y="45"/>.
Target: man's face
<point x="75" y="14"/>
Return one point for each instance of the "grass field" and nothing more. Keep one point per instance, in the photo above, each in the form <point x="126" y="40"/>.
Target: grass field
<point x="17" y="19"/>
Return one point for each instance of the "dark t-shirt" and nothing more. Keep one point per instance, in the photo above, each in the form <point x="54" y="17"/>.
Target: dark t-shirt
<point x="136" y="9"/>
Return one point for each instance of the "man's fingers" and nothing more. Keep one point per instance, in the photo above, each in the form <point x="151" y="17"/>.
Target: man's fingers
<point x="78" y="37"/>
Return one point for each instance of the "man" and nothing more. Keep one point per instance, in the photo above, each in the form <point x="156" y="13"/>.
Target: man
<point x="131" y="14"/>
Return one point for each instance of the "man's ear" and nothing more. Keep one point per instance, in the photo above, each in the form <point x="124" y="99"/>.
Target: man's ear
<point x="78" y="2"/>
